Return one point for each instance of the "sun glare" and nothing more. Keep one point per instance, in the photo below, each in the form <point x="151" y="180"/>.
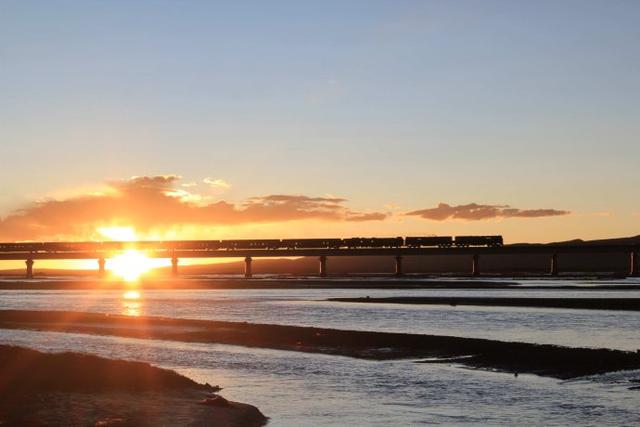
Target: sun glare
<point x="121" y="234"/>
<point x="130" y="265"/>
<point x="131" y="295"/>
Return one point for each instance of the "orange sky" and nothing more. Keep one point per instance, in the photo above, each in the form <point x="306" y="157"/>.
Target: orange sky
<point x="163" y="207"/>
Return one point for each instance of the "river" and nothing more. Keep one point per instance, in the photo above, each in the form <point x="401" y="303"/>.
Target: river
<point x="298" y="389"/>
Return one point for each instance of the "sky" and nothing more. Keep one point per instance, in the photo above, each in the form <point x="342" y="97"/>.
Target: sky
<point x="203" y="119"/>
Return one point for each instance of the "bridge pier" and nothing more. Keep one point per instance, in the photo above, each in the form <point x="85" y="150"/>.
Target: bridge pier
<point x="553" y="270"/>
<point x="29" y="263"/>
<point x="248" y="273"/>
<point x="475" y="266"/>
<point x="634" y="270"/>
<point x="174" y="266"/>
<point x="101" y="266"/>
<point x="398" y="265"/>
<point x="323" y="266"/>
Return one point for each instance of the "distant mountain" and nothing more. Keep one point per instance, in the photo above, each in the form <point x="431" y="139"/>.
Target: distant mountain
<point x="635" y="240"/>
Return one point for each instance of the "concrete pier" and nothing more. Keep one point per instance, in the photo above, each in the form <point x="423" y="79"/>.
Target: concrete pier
<point x="634" y="270"/>
<point x="248" y="272"/>
<point x="174" y="266"/>
<point x="475" y="266"/>
<point x="323" y="266"/>
<point x="29" y="264"/>
<point x="101" y="266"/>
<point x="553" y="269"/>
<point x="398" y="265"/>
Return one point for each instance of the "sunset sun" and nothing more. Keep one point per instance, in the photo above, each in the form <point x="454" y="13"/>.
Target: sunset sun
<point x="130" y="265"/>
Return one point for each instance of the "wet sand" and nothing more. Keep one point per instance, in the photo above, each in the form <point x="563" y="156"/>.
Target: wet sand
<point x="513" y="357"/>
<point x="72" y="389"/>
<point x="627" y="304"/>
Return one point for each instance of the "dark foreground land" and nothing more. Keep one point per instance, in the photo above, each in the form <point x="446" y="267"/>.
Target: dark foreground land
<point x="71" y="389"/>
<point x="513" y="357"/>
<point x="627" y="304"/>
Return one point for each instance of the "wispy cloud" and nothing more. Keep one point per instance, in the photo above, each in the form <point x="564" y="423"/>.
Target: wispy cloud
<point x="475" y="212"/>
<point x="216" y="183"/>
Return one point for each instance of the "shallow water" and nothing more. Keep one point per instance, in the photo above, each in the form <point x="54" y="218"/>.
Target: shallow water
<point x="298" y="389"/>
<point x="305" y="307"/>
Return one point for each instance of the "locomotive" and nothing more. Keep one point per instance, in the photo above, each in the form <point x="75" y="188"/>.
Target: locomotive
<point x="266" y="244"/>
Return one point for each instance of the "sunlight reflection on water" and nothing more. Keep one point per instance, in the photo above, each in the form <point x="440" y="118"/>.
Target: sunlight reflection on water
<point x="297" y="389"/>
<point x="131" y="303"/>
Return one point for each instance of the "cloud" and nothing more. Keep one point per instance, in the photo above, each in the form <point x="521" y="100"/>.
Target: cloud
<point x="475" y="212"/>
<point x="148" y="202"/>
<point x="370" y="216"/>
<point x="216" y="183"/>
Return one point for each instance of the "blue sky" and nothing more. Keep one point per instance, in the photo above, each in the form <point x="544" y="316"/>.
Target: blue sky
<point x="403" y="103"/>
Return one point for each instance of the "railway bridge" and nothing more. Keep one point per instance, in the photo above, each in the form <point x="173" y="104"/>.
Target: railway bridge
<point x="100" y="251"/>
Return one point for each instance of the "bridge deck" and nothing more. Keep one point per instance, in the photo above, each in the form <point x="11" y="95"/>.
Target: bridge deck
<point x="257" y="253"/>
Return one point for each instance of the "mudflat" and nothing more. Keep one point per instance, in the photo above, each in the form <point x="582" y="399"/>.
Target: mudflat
<point x="514" y="357"/>
<point x="627" y="304"/>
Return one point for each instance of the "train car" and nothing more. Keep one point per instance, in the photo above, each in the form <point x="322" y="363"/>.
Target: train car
<point x="68" y="246"/>
<point x="312" y="243"/>
<point x="466" y="241"/>
<point x="144" y="245"/>
<point x="188" y="245"/>
<point x="21" y="247"/>
<point x="429" y="241"/>
<point x="250" y="244"/>
<point x="212" y="245"/>
<point x="354" y="242"/>
<point x="494" y="241"/>
<point x="386" y="242"/>
<point x="113" y="246"/>
<point x="373" y="242"/>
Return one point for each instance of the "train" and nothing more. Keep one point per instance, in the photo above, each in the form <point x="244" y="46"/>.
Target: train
<point x="265" y="244"/>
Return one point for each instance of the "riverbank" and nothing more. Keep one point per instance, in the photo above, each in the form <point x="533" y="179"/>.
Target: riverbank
<point x="626" y="304"/>
<point x="512" y="357"/>
<point x="72" y="389"/>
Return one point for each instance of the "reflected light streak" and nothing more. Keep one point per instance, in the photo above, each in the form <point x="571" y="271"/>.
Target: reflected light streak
<point x="131" y="295"/>
<point x="131" y="303"/>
